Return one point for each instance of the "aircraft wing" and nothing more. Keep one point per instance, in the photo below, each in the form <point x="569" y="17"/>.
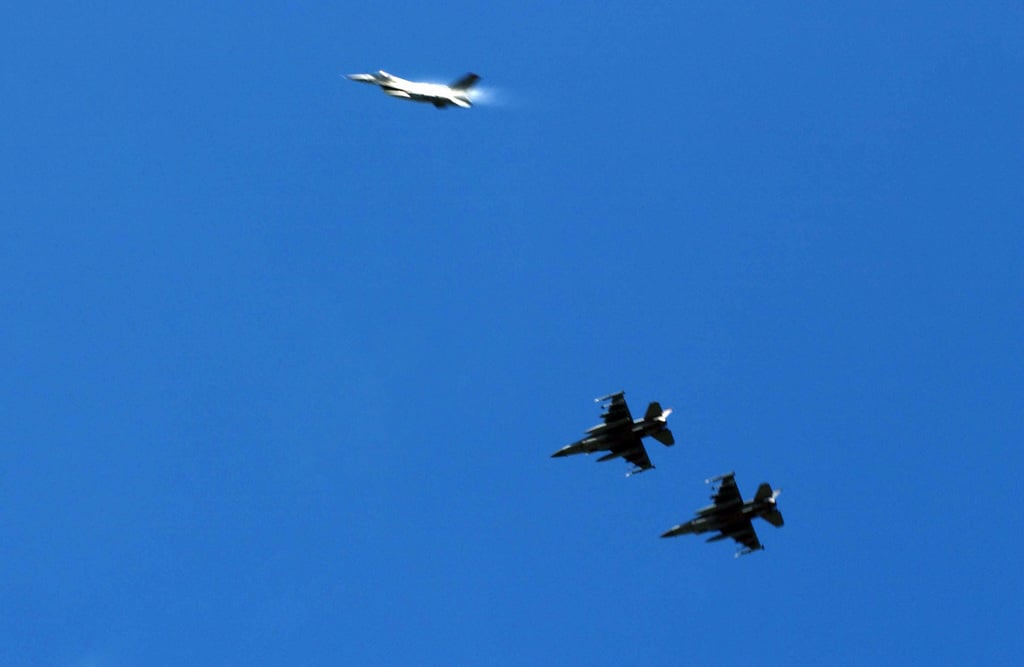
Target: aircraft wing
<point x="616" y="413"/>
<point x="727" y="493"/>
<point x="743" y="532"/>
<point x="637" y="455"/>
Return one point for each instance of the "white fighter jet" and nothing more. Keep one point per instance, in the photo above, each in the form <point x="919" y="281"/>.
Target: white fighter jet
<point x="437" y="94"/>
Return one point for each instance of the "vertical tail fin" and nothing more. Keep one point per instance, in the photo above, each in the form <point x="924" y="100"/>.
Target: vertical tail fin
<point x="771" y="514"/>
<point x="654" y="411"/>
<point x="466" y="82"/>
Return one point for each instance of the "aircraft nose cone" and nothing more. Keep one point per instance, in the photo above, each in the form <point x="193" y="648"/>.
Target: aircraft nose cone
<point x="680" y="529"/>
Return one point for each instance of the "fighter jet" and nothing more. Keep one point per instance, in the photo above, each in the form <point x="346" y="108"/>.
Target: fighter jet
<point x="621" y="435"/>
<point x="438" y="94"/>
<point x="731" y="516"/>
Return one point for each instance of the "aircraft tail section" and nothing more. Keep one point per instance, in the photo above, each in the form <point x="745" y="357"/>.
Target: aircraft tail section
<point x="466" y="82"/>
<point x="664" y="437"/>
<point x="771" y="514"/>
<point x="656" y="414"/>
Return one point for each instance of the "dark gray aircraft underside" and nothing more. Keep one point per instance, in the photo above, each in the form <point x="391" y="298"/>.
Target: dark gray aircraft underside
<point x="622" y="436"/>
<point x="731" y="517"/>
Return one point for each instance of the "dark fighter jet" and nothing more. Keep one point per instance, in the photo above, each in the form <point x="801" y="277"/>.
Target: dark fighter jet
<point x="731" y="516"/>
<point x="620" y="435"/>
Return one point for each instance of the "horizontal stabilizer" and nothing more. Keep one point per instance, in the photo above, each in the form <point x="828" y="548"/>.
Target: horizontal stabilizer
<point x="664" y="437"/>
<point x="773" y="517"/>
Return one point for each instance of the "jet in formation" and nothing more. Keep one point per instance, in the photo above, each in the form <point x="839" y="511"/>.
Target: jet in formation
<point x="621" y="435"/>
<point x="731" y="516"/>
<point x="438" y="94"/>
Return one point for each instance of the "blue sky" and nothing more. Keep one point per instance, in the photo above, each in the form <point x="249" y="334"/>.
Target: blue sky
<point x="285" y="359"/>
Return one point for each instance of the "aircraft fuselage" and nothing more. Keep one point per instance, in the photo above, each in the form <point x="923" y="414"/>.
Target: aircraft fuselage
<point x="714" y="517"/>
<point x="437" y="94"/>
<point x="718" y="517"/>
<point x="603" y="436"/>
<point x="641" y="427"/>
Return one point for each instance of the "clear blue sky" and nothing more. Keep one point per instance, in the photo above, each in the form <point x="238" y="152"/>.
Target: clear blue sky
<point x="284" y="360"/>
